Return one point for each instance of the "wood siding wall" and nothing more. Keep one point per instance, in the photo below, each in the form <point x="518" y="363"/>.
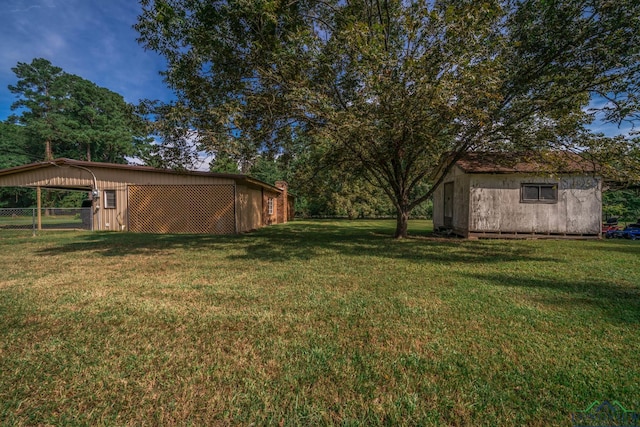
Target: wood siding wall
<point x="266" y="218"/>
<point x="496" y="206"/>
<point x="460" y="204"/>
<point x="491" y="204"/>
<point x="248" y="208"/>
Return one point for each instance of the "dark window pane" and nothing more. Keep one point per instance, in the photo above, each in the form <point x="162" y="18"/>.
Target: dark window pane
<point x="548" y="192"/>
<point x="109" y="199"/>
<point x="530" y="192"/>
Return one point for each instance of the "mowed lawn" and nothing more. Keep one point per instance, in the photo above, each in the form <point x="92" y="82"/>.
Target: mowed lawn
<point x="314" y="323"/>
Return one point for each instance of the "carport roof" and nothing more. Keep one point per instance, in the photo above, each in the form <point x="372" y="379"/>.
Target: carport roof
<point x="84" y="164"/>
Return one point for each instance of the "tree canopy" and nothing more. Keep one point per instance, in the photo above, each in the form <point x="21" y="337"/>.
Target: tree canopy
<point x="13" y="152"/>
<point x="399" y="90"/>
<point x="13" y="146"/>
<point x="65" y="115"/>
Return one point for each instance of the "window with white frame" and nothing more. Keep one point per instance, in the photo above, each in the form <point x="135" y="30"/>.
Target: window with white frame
<point x="270" y="205"/>
<point x="109" y="199"/>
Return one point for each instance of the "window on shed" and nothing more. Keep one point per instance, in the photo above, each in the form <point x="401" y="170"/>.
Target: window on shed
<point x="110" y="199"/>
<point x="270" y="206"/>
<point x="539" y="193"/>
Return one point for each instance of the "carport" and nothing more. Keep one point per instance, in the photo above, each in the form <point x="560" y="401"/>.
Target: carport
<point x="146" y="199"/>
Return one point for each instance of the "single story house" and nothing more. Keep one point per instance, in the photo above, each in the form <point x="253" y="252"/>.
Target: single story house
<point x="496" y="195"/>
<point x="150" y="200"/>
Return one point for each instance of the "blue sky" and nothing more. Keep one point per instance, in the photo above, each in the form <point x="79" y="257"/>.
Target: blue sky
<point x="95" y="40"/>
<point x="91" y="38"/>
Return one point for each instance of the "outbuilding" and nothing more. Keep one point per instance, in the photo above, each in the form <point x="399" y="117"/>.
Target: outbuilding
<point x="150" y="200"/>
<point x="505" y="196"/>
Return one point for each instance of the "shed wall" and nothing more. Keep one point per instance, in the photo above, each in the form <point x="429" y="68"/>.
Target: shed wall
<point x="157" y="178"/>
<point x="438" y="210"/>
<point x="460" y="201"/>
<point x="119" y="180"/>
<point x="266" y="218"/>
<point x="248" y="208"/>
<point x="162" y="202"/>
<point x="496" y="205"/>
<point x="111" y="218"/>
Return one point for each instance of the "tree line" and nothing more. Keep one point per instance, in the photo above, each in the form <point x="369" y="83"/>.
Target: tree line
<point x="57" y="114"/>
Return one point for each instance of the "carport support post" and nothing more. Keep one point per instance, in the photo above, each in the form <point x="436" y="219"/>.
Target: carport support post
<point x="39" y="207"/>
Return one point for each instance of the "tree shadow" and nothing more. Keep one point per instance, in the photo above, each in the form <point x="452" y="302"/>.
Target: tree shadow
<point x="619" y="302"/>
<point x="115" y="244"/>
<point x="622" y="246"/>
<point x="305" y="241"/>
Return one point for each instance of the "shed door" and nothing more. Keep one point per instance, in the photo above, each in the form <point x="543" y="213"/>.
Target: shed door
<point x="448" y="205"/>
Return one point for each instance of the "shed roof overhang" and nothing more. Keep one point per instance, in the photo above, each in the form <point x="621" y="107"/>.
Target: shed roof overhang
<point x="527" y="163"/>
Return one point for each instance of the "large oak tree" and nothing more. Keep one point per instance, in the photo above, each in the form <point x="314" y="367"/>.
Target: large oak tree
<point x="401" y="89"/>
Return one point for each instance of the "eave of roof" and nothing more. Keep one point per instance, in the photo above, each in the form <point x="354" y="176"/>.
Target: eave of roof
<point x="503" y="163"/>
<point x="81" y="163"/>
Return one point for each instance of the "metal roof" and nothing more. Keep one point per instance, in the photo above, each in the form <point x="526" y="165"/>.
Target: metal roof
<point x="81" y="163"/>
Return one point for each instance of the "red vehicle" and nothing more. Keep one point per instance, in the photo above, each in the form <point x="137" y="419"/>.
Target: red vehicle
<point x="610" y="225"/>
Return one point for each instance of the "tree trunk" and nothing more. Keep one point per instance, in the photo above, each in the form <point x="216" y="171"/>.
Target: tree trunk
<point x="48" y="153"/>
<point x="402" y="222"/>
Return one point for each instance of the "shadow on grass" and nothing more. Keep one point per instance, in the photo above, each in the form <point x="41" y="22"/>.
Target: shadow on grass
<point x="304" y="241"/>
<point x="619" y="302"/>
<point x="624" y="246"/>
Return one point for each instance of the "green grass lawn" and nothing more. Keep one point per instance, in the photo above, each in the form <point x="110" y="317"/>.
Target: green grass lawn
<point x="314" y="323"/>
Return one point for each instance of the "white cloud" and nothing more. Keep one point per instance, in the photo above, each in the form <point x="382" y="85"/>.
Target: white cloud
<point x="24" y="6"/>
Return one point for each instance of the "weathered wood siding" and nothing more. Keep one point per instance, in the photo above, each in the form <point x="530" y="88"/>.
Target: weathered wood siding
<point x="496" y="205"/>
<point x="491" y="204"/>
<point x="248" y="208"/>
<point x="460" y="201"/>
